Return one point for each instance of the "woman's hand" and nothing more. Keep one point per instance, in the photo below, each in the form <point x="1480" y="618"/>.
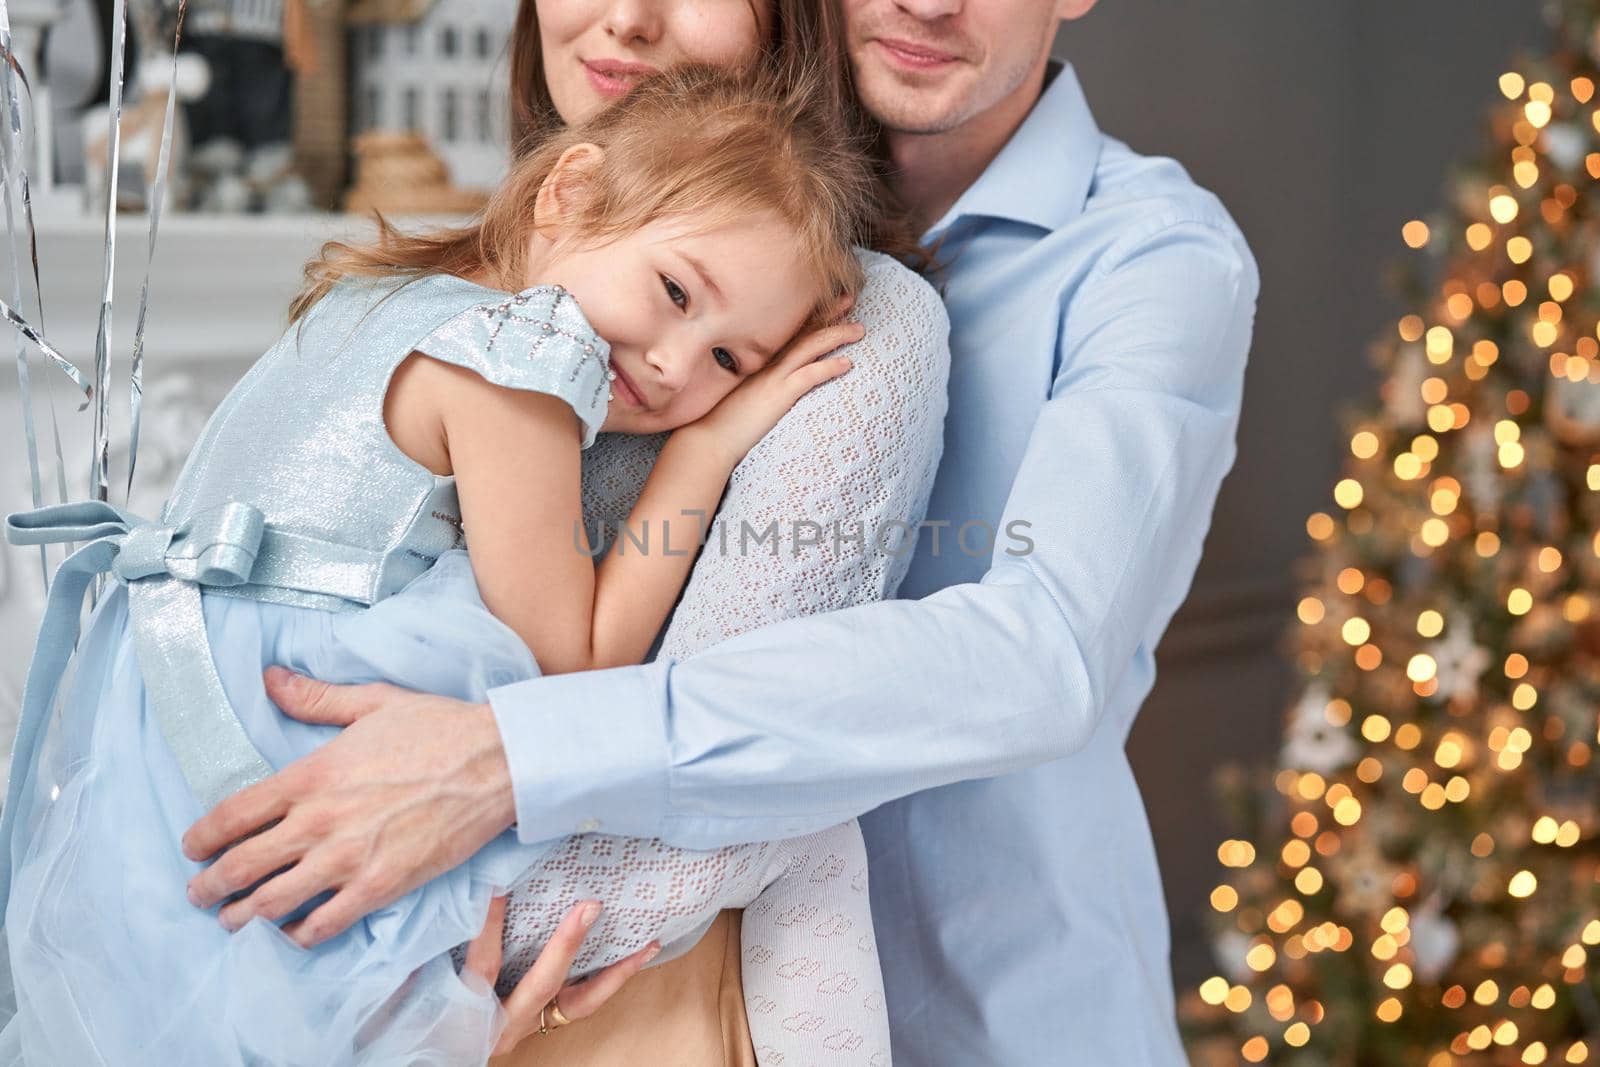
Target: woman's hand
<point x="745" y="415"/>
<point x="543" y="985"/>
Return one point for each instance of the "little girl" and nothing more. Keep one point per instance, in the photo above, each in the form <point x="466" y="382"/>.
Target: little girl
<point x="642" y="273"/>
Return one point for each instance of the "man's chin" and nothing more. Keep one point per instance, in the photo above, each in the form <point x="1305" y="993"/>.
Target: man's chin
<point x="913" y="117"/>
<point x="912" y="109"/>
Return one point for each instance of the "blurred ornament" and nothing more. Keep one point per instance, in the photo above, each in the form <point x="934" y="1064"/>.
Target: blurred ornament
<point x="1572" y="410"/>
<point x="228" y="178"/>
<point x="1460" y="660"/>
<point x="1363" y="879"/>
<point x="226" y="194"/>
<point x="1435" y="942"/>
<point x="1402" y="393"/>
<point x="1230" y="949"/>
<point x="1311" y="742"/>
<point x="267" y="163"/>
<point x="1566" y="144"/>
<point x="220" y="155"/>
<point x="287" y="196"/>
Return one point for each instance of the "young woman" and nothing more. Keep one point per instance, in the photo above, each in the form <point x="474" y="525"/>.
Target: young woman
<point x="858" y="454"/>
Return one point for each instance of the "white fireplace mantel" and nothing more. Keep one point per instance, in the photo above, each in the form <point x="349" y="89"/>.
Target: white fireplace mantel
<point x="219" y="289"/>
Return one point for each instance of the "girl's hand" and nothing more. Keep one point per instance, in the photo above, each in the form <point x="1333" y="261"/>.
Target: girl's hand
<point x="745" y="415"/>
<point x="543" y="985"/>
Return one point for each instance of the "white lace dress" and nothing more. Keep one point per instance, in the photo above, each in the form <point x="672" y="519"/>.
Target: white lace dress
<point x="797" y="532"/>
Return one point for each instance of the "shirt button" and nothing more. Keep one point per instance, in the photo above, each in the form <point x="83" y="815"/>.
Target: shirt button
<point x="588" y="826"/>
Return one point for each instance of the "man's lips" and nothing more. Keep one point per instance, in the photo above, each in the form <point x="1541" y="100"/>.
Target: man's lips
<point x="628" y="390"/>
<point x="613" y="77"/>
<point x="913" y="55"/>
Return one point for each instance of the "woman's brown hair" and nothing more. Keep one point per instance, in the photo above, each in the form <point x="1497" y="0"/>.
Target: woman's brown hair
<point x="807" y="41"/>
<point x="696" y="141"/>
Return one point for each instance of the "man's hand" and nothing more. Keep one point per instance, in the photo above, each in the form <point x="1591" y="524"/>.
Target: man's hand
<point x="413" y="786"/>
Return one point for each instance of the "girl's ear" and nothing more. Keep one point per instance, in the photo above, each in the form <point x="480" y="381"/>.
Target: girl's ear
<point x="566" y="188"/>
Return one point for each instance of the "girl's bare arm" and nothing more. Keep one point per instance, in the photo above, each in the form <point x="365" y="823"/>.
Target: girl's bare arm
<point x="516" y="461"/>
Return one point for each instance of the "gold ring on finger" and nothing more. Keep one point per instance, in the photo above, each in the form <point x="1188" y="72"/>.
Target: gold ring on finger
<point x="556" y="1018"/>
<point x="543" y="1029"/>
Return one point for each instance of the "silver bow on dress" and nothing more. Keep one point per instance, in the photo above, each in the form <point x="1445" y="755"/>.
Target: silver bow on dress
<point x="164" y="568"/>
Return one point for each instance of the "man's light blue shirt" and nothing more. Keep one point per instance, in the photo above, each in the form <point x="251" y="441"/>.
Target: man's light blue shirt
<point x="1101" y="306"/>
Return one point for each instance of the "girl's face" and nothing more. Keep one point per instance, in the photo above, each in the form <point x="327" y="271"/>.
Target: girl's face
<point x="594" y="50"/>
<point x="690" y="311"/>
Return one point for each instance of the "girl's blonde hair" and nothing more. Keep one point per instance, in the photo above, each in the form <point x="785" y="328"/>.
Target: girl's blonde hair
<point x="697" y="141"/>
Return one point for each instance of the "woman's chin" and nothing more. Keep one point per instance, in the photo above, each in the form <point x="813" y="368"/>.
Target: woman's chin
<point x="577" y="101"/>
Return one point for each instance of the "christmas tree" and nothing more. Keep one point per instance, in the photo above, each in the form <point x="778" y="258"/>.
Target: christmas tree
<point x="1416" y="882"/>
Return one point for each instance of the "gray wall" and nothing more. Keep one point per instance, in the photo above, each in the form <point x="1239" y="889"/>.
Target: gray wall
<point x="1323" y="127"/>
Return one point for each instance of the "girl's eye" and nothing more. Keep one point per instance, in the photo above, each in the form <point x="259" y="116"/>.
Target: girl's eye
<point x="725" y="359"/>
<point x="675" y="292"/>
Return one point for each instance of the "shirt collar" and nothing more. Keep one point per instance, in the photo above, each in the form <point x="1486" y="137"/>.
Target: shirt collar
<point x="1042" y="175"/>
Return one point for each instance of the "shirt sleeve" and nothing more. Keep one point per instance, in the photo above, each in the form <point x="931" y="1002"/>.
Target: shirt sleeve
<point x="802" y="724"/>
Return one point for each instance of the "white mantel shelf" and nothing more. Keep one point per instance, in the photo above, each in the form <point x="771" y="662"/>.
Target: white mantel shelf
<point x="219" y="289"/>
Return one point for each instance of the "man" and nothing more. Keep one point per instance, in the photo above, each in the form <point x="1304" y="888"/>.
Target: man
<point x="1101" y="307"/>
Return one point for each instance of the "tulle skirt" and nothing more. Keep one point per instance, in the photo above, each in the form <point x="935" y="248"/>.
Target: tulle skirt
<point x="110" y="964"/>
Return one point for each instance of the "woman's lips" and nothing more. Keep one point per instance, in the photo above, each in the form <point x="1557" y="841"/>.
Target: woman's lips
<point x="614" y="77"/>
<point x="626" y="389"/>
<point x="913" y="56"/>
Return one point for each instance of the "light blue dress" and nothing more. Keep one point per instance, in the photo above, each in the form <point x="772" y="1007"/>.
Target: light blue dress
<point x="294" y="512"/>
